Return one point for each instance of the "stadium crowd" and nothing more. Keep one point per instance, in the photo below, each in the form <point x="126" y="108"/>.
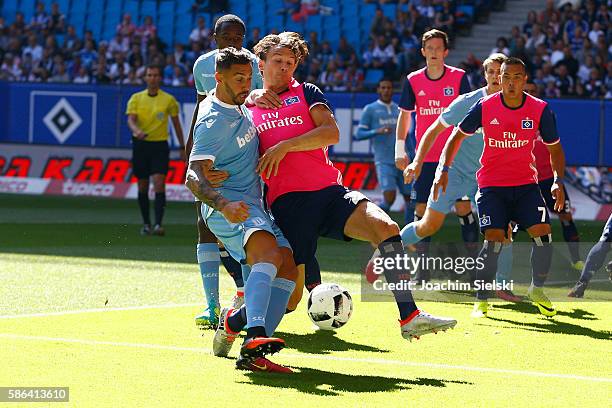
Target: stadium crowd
<point x="567" y="49"/>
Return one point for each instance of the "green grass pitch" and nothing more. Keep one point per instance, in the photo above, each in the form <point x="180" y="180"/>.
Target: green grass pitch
<point x="87" y="303"/>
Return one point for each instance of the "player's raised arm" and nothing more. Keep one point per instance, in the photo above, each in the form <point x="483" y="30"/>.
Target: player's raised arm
<point x="414" y="169"/>
<point x="326" y="133"/>
<point x="200" y="186"/>
<point x="550" y="137"/>
<point x="468" y="126"/>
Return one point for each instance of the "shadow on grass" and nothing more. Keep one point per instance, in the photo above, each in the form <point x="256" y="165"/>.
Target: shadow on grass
<point x="326" y="383"/>
<point x="323" y="342"/>
<point x="525" y="307"/>
<point x="556" y="327"/>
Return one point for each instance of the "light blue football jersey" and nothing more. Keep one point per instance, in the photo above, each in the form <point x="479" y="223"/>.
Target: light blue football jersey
<point x="375" y="116"/>
<point x="226" y="135"/>
<point x="204" y="72"/>
<point x="467" y="160"/>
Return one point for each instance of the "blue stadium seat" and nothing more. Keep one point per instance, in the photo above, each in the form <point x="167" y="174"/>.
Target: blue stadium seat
<point x="113" y="6"/>
<point x="133" y="8"/>
<point x="77" y="19"/>
<point x="64" y="5"/>
<point x="239" y="8"/>
<point x="28" y="7"/>
<point x="274" y="21"/>
<point x="368" y="10"/>
<point x="314" y="23"/>
<point x="183" y="29"/>
<point x="389" y="10"/>
<point x="94" y="20"/>
<point x="165" y="25"/>
<point x="149" y="8"/>
<point x="78" y="7"/>
<point x="256" y="19"/>
<point x="372" y="76"/>
<point x="9" y="8"/>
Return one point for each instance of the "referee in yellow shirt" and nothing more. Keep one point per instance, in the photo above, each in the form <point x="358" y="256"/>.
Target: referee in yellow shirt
<point x="148" y="113"/>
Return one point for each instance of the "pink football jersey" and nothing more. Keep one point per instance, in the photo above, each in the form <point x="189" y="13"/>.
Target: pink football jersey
<point x="509" y="137"/>
<point x="298" y="171"/>
<point x="431" y="97"/>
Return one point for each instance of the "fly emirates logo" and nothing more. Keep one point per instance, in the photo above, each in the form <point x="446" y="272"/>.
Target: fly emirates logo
<point x="248" y="136"/>
<point x="434" y="108"/>
<point x="272" y="121"/>
<point x="509" y="141"/>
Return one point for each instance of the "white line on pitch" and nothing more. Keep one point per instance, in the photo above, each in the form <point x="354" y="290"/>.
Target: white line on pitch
<point x="314" y="357"/>
<point x="100" y="310"/>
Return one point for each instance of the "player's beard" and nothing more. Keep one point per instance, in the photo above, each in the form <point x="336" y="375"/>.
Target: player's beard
<point x="237" y="99"/>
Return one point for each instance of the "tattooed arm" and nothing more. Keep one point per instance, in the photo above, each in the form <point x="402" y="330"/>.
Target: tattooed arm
<point x="201" y="187"/>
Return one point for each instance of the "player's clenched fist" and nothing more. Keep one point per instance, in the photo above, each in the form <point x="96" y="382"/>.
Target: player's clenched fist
<point x="236" y="212"/>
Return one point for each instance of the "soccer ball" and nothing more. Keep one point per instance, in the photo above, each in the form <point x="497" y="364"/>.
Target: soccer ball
<point x="329" y="306"/>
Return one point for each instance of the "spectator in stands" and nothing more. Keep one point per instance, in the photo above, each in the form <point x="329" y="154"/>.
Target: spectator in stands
<point x="569" y="61"/>
<point x="147" y="29"/>
<point x="426" y="10"/>
<point x="604" y="16"/>
<point x="444" y="19"/>
<point x="40" y="20"/>
<point x="34" y="49"/>
<point x="82" y="77"/>
<point x="9" y="70"/>
<point x="119" y="67"/>
<point x="57" y="21"/>
<point x="595" y="32"/>
<point x="101" y="77"/>
<point x="314" y="46"/>
<point x="557" y="54"/>
<point x="584" y="72"/>
<point x="564" y="82"/>
<point x="119" y="43"/>
<point x="18" y="27"/>
<point x="551" y="90"/>
<point x="346" y="51"/>
<point x="549" y="11"/>
<point x="594" y="87"/>
<point x="71" y="38"/>
<point x="531" y="20"/>
<point x="132" y="79"/>
<point x="255" y="37"/>
<point x="570" y="26"/>
<point x="377" y="27"/>
<point x="60" y="73"/>
<point x="589" y="13"/>
<point x="501" y="46"/>
<point x="353" y="78"/>
<point x="200" y="33"/>
<point x="89" y="56"/>
<point x="384" y="56"/>
<point x="326" y="78"/>
<point x="608" y="81"/>
<point x="126" y="28"/>
<point x="326" y="53"/>
<point x="553" y="29"/>
<point x="537" y="37"/>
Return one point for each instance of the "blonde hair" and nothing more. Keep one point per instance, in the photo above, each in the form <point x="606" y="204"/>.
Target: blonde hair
<point x="287" y="39"/>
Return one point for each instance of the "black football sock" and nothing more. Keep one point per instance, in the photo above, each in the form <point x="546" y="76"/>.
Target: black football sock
<point x="143" y="203"/>
<point x="160" y="205"/>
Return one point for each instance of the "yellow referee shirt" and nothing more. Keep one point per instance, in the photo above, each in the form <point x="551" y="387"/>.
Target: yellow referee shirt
<point x="152" y="113"/>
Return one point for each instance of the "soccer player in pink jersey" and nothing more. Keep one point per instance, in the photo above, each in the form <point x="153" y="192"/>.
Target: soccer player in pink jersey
<point x="511" y="122"/>
<point x="427" y="92"/>
<point x="545" y="180"/>
<point x="305" y="191"/>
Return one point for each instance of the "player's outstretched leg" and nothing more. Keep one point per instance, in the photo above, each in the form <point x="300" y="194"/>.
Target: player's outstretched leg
<point x="369" y="223"/>
<point x="541" y="258"/>
<point x="491" y="248"/>
<point x="595" y="259"/>
<point x="504" y="270"/>
<point x="208" y="261"/>
<point x="266" y="259"/>
<point x="234" y="268"/>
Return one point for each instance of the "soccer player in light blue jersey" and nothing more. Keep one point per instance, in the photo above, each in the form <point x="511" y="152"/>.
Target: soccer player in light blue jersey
<point x="229" y="32"/>
<point x="462" y="176"/>
<point x="225" y="137"/>
<point x="377" y="123"/>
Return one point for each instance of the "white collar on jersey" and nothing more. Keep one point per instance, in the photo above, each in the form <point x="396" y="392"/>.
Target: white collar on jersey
<point x="224" y="104"/>
<point x="385" y="104"/>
